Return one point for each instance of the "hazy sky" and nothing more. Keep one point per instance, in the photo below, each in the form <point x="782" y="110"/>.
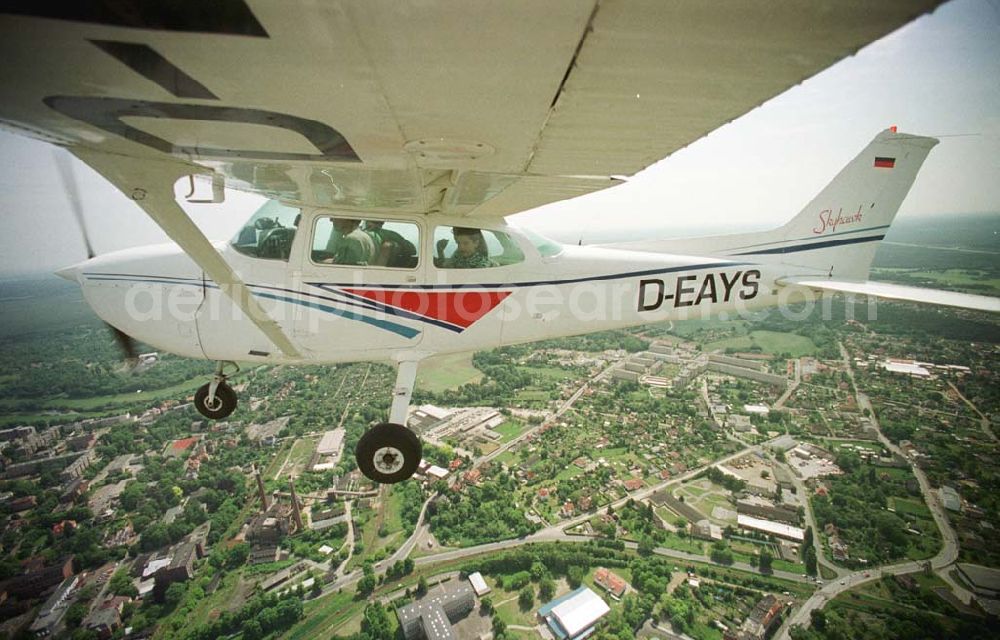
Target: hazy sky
<point x="939" y="76"/>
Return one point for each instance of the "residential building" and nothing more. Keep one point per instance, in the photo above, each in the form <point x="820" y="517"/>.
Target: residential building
<point x="760" y="622"/>
<point x="610" y="582"/>
<point x="431" y="617"/>
<point x="52" y="612"/>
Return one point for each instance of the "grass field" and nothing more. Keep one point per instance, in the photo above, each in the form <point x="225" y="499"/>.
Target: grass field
<point x="325" y="615"/>
<point x="447" y="372"/>
<point x="975" y="280"/>
<point x="773" y="342"/>
<point x="509" y="430"/>
<point x="910" y="507"/>
<point x="299" y="456"/>
<point x="119" y="401"/>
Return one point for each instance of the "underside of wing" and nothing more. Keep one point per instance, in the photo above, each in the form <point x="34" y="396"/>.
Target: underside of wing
<point x="469" y="108"/>
<point x="904" y="293"/>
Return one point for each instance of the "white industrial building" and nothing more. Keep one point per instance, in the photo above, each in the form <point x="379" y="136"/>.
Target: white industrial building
<point x="770" y="527"/>
<point x="331" y="443"/>
<point x="479" y="584"/>
<point x="908" y="368"/>
<point x="574" y="615"/>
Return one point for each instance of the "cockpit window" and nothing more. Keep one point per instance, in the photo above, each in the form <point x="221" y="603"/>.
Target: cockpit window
<point x="269" y="232"/>
<point x="547" y="248"/>
<point x="470" y="248"/>
<point x="365" y="243"/>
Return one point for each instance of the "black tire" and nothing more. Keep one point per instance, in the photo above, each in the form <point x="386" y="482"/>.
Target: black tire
<point x="225" y="402"/>
<point x="390" y="470"/>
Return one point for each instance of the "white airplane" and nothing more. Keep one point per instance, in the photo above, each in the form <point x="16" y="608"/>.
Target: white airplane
<point x="392" y="141"/>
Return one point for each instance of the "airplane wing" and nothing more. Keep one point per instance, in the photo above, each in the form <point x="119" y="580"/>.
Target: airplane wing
<point x="468" y="107"/>
<point x="901" y="292"/>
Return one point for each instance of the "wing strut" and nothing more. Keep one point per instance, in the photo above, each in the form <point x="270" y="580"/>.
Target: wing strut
<point x="150" y="183"/>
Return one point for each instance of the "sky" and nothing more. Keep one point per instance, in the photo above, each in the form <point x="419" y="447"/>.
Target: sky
<point x="938" y="76"/>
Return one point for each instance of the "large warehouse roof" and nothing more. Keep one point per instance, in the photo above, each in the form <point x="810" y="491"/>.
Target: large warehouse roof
<point x="769" y="526"/>
<point x="579" y="611"/>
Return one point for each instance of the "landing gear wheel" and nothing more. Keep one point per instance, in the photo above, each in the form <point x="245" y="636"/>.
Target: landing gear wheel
<point x="224" y="404"/>
<point x="388" y="453"/>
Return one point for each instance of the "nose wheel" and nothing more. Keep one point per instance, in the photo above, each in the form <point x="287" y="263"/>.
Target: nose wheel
<point x="388" y="453"/>
<point x="216" y="400"/>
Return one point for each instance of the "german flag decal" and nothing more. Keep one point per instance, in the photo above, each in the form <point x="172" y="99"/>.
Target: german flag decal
<point x="885" y="163"/>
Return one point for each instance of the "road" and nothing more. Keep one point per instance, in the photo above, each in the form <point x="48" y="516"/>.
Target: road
<point x="548" y="534"/>
<point x="563" y="408"/>
<point x="940" y="563"/>
<point x="780" y="402"/>
<point x="648" y="491"/>
<point x="984" y="422"/>
<point x="803" y="492"/>
<point x="350" y="538"/>
<point x="404" y="551"/>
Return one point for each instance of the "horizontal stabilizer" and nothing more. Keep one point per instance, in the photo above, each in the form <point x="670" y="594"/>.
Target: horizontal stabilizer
<point x="900" y="292"/>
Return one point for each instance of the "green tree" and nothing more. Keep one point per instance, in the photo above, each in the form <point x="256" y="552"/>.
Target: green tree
<point x="75" y="614"/>
<point x="486" y="605"/>
<point x="546" y="589"/>
<point x="646" y="546"/>
<point x="765" y="561"/>
<point x="368" y="582"/>
<point x="810" y="560"/>
<point x="121" y="584"/>
<point x="526" y="598"/>
<point x="375" y="624"/>
<point x="175" y="593"/>
<point x="575" y="575"/>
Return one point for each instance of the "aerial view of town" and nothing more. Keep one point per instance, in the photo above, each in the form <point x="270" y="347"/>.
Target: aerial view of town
<point x="813" y="477"/>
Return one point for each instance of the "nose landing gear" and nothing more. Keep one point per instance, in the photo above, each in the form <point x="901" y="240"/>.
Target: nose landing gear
<point x="216" y="400"/>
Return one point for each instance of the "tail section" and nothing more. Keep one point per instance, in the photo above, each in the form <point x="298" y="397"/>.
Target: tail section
<point x="837" y="233"/>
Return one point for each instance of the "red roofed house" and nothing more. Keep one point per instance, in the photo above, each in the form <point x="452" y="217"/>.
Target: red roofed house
<point x="454" y="464"/>
<point x="63" y="526"/>
<point x="633" y="484"/>
<point x="178" y="447"/>
<point x="585" y="502"/>
<point x="473" y="476"/>
<point x="568" y="509"/>
<point x="610" y="582"/>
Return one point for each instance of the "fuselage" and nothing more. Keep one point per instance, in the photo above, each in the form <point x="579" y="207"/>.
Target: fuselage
<point x="343" y="313"/>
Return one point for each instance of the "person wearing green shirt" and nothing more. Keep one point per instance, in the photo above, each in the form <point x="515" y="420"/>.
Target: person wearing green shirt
<point x="349" y="244"/>
<point x="391" y="248"/>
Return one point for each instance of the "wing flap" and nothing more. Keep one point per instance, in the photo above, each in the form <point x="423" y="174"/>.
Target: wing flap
<point x="902" y="292"/>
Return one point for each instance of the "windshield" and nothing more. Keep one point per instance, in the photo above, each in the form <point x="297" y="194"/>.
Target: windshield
<point x="547" y="248"/>
<point x="269" y="232"/>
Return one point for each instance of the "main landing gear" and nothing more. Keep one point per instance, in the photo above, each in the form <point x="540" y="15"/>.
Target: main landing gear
<point x="216" y="400"/>
<point x="389" y="452"/>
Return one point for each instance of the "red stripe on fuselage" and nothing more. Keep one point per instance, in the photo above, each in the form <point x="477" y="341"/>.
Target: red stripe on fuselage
<point x="460" y="308"/>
